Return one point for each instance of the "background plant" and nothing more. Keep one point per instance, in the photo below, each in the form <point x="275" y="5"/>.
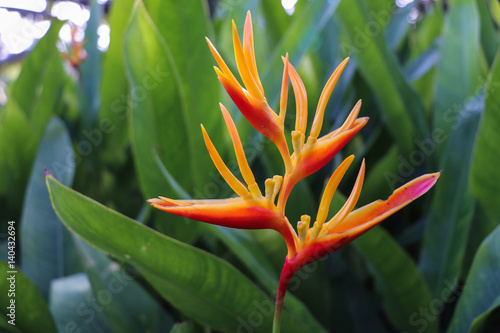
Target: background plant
<point x="121" y="125"/>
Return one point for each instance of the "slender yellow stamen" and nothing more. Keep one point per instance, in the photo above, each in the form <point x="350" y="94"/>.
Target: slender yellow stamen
<point x="228" y="176"/>
<point x="255" y="190"/>
<point x="277" y="186"/>
<point x="325" y="96"/>
<point x="297" y="142"/>
<point x="246" y="172"/>
<point x="349" y="204"/>
<point x="270" y="185"/>
<point x="303" y="227"/>
<point x="300" y="99"/>
<point x="248" y="50"/>
<point x="284" y="92"/>
<point x="245" y="74"/>
<point x="221" y="63"/>
<point x="313" y="233"/>
<point x="330" y="189"/>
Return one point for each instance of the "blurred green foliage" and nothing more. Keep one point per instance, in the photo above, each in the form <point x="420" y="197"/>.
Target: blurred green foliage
<point x="124" y="127"/>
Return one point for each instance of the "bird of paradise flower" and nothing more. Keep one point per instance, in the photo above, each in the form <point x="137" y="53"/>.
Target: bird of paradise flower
<point x="254" y="210"/>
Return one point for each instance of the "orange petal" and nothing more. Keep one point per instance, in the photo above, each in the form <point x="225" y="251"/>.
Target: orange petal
<point x="224" y="171"/>
<point x="284" y="92"/>
<point x="242" y="64"/>
<point x="300" y="99"/>
<point x="259" y="115"/>
<point x="325" y="96"/>
<point x="235" y="212"/>
<point x="248" y="50"/>
<point x="367" y="216"/>
<point x="246" y="172"/>
<point x="330" y="189"/>
<point x="221" y="62"/>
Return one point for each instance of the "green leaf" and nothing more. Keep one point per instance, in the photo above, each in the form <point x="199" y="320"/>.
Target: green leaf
<point x="200" y="285"/>
<point x="484" y="174"/>
<point x="403" y="288"/>
<point x="114" y="88"/>
<point x="490" y="38"/>
<point x="458" y="69"/>
<point x="447" y="228"/>
<point x="46" y="243"/>
<point x="30" y="312"/>
<point x="184" y="28"/>
<point x="90" y="69"/>
<point x="119" y="295"/>
<point x="400" y="105"/>
<point x="33" y="98"/>
<point x="481" y="294"/>
<point x="17" y="150"/>
<point x="158" y="117"/>
<point x="74" y="307"/>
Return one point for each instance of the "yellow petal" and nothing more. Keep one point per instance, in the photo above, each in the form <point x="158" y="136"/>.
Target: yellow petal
<point x="245" y="74"/>
<point x="248" y="50"/>
<point x="325" y="96"/>
<point x="330" y="189"/>
<point x="300" y="99"/>
<point x="228" y="176"/>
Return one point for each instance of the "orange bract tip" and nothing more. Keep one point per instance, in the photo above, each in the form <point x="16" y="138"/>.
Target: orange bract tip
<point x="300" y="99"/>
<point x="325" y="96"/>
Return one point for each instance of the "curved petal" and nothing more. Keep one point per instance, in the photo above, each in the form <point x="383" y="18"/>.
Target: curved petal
<point x="235" y="212"/>
<point x="367" y="216"/>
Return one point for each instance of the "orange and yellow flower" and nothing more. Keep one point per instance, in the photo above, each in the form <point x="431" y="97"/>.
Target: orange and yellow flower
<point x="254" y="210"/>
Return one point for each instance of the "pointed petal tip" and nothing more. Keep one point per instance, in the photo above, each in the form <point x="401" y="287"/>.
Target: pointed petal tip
<point x="46" y="172"/>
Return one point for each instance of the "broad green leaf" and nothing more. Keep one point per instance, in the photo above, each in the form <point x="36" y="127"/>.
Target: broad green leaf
<point x="158" y="118"/>
<point x="28" y="310"/>
<point x="74" y="307"/>
<point x="184" y="29"/>
<point x="33" y="98"/>
<point x="46" y="243"/>
<point x="200" y="285"/>
<point x="126" y="296"/>
<point x="490" y="37"/>
<point x="457" y="75"/>
<point x="449" y="221"/>
<point x="17" y="150"/>
<point x="114" y="88"/>
<point x="481" y="294"/>
<point x="484" y="174"/>
<point x="398" y="26"/>
<point x="400" y="105"/>
<point x="402" y="287"/>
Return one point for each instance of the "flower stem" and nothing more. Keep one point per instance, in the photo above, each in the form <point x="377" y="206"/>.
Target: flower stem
<point x="286" y="275"/>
